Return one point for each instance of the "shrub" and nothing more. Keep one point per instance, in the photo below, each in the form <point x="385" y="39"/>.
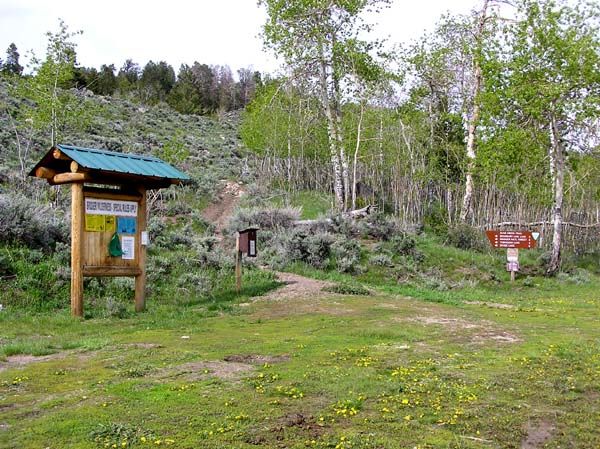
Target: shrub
<point x="209" y="255"/>
<point x="116" y="308"/>
<point x="346" y="253"/>
<point x="267" y="218"/>
<point x="466" y="237"/>
<point x="405" y="245"/>
<point x="348" y="289"/>
<point x="6" y="266"/>
<point x="23" y="221"/>
<point x="579" y="276"/>
<point x="197" y="283"/>
<point x="316" y="248"/>
<point x="381" y="260"/>
<point x="435" y="218"/>
<point x="377" y="226"/>
<point x="298" y="245"/>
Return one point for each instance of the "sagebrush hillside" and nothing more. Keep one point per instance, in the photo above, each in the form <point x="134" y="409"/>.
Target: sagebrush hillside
<point x="206" y="148"/>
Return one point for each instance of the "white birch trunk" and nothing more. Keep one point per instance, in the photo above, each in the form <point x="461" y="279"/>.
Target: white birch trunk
<point x="557" y="164"/>
<point x="338" y="186"/>
<point x="356" y="148"/>
<point x="467" y="207"/>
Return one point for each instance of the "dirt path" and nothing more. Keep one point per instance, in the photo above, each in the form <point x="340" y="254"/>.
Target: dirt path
<point x="220" y="210"/>
<point x="296" y="286"/>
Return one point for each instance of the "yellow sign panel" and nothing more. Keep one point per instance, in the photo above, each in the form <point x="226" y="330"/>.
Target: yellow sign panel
<point x="94" y="223"/>
<point x="100" y="223"/>
<point x="110" y="223"/>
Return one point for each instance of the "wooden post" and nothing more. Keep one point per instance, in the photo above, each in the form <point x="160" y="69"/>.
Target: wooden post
<point x="238" y="265"/>
<point x="140" y="280"/>
<point x="512" y="276"/>
<point x="76" y="249"/>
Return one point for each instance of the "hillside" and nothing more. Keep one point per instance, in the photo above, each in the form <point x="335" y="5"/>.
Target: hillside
<point x="207" y="148"/>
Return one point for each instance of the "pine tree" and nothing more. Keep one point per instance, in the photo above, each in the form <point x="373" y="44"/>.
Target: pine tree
<point x="11" y="65"/>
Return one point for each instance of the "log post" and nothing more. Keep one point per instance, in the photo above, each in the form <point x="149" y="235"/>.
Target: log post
<point x="238" y="265"/>
<point x="77" y="210"/>
<point x="140" y="279"/>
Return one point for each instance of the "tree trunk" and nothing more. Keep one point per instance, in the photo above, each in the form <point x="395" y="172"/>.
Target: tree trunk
<point x="467" y="207"/>
<point x="557" y="164"/>
<point x="356" y="148"/>
<point x="338" y="185"/>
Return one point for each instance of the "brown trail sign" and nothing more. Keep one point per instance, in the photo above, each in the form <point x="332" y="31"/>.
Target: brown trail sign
<point x="512" y="241"/>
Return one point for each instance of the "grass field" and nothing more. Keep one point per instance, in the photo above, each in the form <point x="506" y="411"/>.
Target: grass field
<point x="325" y="371"/>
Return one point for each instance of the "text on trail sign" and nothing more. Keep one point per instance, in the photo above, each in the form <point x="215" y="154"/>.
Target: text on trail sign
<point x="512" y="239"/>
<point x="97" y="206"/>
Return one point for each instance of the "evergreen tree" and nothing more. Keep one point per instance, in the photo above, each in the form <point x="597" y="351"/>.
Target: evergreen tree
<point x="128" y="77"/>
<point x="11" y="65"/>
<point x="156" y="82"/>
<point x="106" y="81"/>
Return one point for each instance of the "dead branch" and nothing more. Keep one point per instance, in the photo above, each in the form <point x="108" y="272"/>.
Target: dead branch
<point x="540" y="223"/>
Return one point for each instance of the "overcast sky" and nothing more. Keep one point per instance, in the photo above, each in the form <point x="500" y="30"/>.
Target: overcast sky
<point x="178" y="31"/>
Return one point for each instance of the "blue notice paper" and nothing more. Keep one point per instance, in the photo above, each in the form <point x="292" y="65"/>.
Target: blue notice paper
<point x="126" y="225"/>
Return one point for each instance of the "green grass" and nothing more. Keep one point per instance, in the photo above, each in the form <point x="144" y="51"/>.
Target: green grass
<point x="313" y="204"/>
<point x="350" y="371"/>
<point x="408" y="366"/>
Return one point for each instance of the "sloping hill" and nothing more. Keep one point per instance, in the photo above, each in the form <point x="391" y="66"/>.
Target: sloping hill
<point x="204" y="147"/>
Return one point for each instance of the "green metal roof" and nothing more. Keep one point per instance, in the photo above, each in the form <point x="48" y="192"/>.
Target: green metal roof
<point x="111" y="161"/>
<point x="148" y="170"/>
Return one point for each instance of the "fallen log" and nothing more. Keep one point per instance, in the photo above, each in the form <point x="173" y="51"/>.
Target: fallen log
<point x="351" y="215"/>
<point x="360" y="213"/>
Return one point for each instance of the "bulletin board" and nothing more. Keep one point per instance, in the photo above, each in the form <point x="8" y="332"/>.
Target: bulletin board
<point x="114" y="225"/>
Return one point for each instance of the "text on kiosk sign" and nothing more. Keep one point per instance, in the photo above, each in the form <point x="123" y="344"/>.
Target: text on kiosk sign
<point x="97" y="206"/>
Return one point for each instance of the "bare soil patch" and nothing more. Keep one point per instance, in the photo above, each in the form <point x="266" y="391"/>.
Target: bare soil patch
<point x="220" y="210"/>
<point x="299" y="295"/>
<point x="192" y="371"/>
<point x="296" y="286"/>
<point x="481" y="332"/>
<point x="538" y="433"/>
<point x="21" y="360"/>
<point x="301" y="423"/>
<point x="256" y="359"/>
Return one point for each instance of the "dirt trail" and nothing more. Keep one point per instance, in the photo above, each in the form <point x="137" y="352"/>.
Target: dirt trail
<point x="296" y="286"/>
<point x="220" y="210"/>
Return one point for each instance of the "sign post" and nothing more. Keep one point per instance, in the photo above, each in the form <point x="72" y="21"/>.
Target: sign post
<point x="512" y="262"/>
<point x="512" y="241"/>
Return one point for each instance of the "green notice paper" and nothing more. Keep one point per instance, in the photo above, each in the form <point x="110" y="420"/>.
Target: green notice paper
<point x="114" y="247"/>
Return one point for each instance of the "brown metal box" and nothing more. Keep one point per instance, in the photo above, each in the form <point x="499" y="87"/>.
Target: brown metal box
<point x="248" y="241"/>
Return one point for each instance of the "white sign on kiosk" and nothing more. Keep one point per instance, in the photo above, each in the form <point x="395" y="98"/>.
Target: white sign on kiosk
<point x="98" y="206"/>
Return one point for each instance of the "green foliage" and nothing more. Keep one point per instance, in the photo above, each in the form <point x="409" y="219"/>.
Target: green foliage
<point x="156" y="82"/>
<point x="271" y="218"/>
<point x="436" y="219"/>
<point x="55" y="109"/>
<point x="36" y="281"/>
<point x="348" y="289"/>
<point x="11" y="64"/>
<point x="346" y="253"/>
<point x="466" y="237"/>
<point x="24" y="222"/>
<point x="174" y="150"/>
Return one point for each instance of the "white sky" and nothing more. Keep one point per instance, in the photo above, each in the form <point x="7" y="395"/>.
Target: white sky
<point x="178" y="31"/>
